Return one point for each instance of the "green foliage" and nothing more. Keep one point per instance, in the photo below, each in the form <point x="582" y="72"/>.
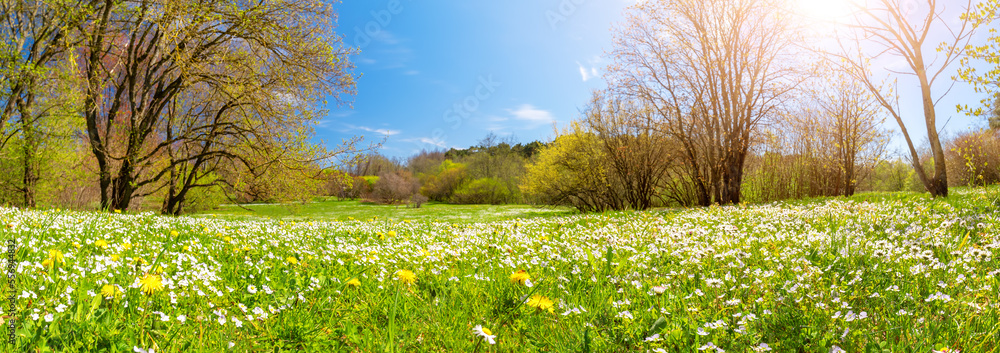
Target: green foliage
<point x="442" y="185"/>
<point x="570" y="171"/>
<point x="482" y="191"/>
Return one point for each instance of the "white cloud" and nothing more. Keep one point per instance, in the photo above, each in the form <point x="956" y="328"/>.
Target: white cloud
<point x="587" y="73"/>
<point x="529" y="113"/>
<point x="428" y="141"/>
<point x="386" y="132"/>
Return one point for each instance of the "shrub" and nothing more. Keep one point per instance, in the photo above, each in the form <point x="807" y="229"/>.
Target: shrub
<point x="442" y="185"/>
<point x="394" y="187"/>
<point x="482" y="191"/>
<point x="974" y="158"/>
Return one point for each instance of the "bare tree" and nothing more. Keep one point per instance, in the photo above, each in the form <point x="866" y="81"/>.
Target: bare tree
<point x="887" y="28"/>
<point x="713" y="71"/>
<point x="637" y="151"/>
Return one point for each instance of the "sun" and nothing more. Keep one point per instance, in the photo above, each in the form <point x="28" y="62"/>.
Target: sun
<point x="823" y="12"/>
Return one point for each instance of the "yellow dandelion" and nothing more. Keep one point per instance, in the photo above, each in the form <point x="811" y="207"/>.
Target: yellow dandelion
<point x="354" y="282"/>
<point x="519" y="277"/>
<point x="149" y="284"/>
<point x="406" y="276"/>
<point x="173" y="233"/>
<point x="110" y="291"/>
<point x="540" y="302"/>
<point x="101" y="243"/>
<point x="292" y="261"/>
<point x="56" y="255"/>
<point x="47" y="262"/>
<point x="391" y="233"/>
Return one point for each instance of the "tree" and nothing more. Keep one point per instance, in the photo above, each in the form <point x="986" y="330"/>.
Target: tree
<point x="572" y="171"/>
<point x="713" y="71"/>
<point x="37" y="34"/>
<point x="637" y="152"/>
<point x="262" y="63"/>
<point x="885" y="28"/>
<point x="849" y="123"/>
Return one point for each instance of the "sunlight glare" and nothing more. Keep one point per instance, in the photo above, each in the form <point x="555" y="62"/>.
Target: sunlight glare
<point x="823" y="11"/>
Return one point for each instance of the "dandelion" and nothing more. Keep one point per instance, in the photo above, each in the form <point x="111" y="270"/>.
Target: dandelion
<point x="406" y="276"/>
<point x="353" y="282"/>
<point x="485" y="333"/>
<point x="101" y="243"/>
<point x="540" y="302"/>
<point x="292" y="261"/>
<point x="110" y="291"/>
<point x="520" y="277"/>
<point x="56" y="256"/>
<point x="149" y="284"/>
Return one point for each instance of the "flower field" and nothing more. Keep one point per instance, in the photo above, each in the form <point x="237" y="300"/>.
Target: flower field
<point x="873" y="273"/>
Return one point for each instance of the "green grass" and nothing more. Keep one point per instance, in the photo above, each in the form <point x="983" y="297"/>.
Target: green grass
<point x="345" y="210"/>
<point x="871" y="273"/>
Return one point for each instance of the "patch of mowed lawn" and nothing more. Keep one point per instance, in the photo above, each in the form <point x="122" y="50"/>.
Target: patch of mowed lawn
<point x="871" y="273"/>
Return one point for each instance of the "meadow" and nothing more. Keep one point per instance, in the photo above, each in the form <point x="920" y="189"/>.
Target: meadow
<point x="872" y="273"/>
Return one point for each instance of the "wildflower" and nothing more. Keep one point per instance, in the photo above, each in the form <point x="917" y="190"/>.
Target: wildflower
<point x="110" y="291"/>
<point x="47" y="262"/>
<point x="485" y="333"/>
<point x="252" y="289"/>
<point x="836" y="349"/>
<point x="292" y="261"/>
<point x="48" y="318"/>
<point x="101" y="243"/>
<point x="946" y="350"/>
<point x="56" y="256"/>
<point x="140" y="350"/>
<point x="540" y="302"/>
<point x="625" y="315"/>
<point x="519" y="277"/>
<point x="655" y="337"/>
<point x="149" y="284"/>
<point x="406" y="276"/>
<point x="182" y="318"/>
<point x="763" y="347"/>
<point x="659" y="289"/>
<point x="354" y="282"/>
<point x="711" y="346"/>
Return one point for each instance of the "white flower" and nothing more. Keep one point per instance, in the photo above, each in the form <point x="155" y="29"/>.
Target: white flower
<point x="763" y="347"/>
<point x="252" y="289"/>
<point x="625" y="315"/>
<point x="711" y="346"/>
<point x="222" y="320"/>
<point x="836" y="349"/>
<point x="182" y="318"/>
<point x="61" y="308"/>
<point x="140" y="350"/>
<point x="237" y="322"/>
<point x="527" y="283"/>
<point x="655" y="337"/>
<point x="48" y="318"/>
<point x="231" y="344"/>
<point x="485" y="333"/>
<point x="702" y="332"/>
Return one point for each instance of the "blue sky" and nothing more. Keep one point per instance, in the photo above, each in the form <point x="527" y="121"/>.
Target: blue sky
<point x="441" y="74"/>
<point x="444" y="73"/>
